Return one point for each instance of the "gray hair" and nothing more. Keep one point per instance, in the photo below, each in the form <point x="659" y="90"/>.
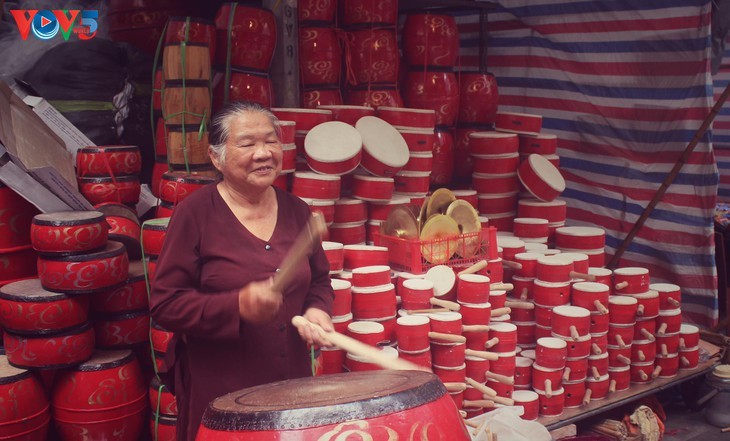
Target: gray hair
<point x="220" y="128"/>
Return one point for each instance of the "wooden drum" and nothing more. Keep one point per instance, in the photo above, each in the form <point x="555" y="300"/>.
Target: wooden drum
<point x="377" y="405"/>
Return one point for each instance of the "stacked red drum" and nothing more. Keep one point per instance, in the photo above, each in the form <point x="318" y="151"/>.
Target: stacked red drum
<point x="320" y="54"/>
<point x="27" y="413"/>
<point x="141" y="22"/>
<point x="245" y="40"/>
<point x="16" y="252"/>
<point x="109" y="173"/>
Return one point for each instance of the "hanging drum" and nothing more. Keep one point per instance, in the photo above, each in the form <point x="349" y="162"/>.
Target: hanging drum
<point x="325" y="96"/>
<point x="252" y="35"/>
<point x="366" y="405"/>
<point x="192" y="30"/>
<point x="430" y="40"/>
<point x="244" y="86"/>
<point x="478" y="97"/>
<point x="373" y="56"/>
<point x="369" y="12"/>
<point x="387" y="95"/>
<point x="434" y="90"/>
<point x="320" y="56"/>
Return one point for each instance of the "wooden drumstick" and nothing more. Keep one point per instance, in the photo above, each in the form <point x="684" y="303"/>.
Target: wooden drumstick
<point x="501" y="287"/>
<point x="643" y="376"/>
<point x="360" y="349"/>
<point x="641" y="355"/>
<point x="512" y="265"/>
<point x="612" y="386"/>
<point x="599" y="306"/>
<point x="662" y="330"/>
<point x="681" y="343"/>
<point x="657" y="371"/>
<point x="566" y="374"/>
<point x="624" y="359"/>
<point x="548" y="388"/>
<point x="524" y="294"/>
<point x="491" y="356"/>
<point x="664" y="350"/>
<point x="301" y="248"/>
<point x="474" y="268"/>
<point x="587" y="397"/>
<point x="469" y="423"/>
<point x="503" y="400"/>
<point x="510" y="381"/>
<point x="475" y="328"/>
<point x="574" y="333"/>
<point x="640" y="310"/>
<point x="620" y="341"/>
<point x="455" y="387"/>
<point x="647" y="335"/>
<point x="501" y="311"/>
<point x="491" y="343"/>
<point x="427" y="311"/>
<point x="453" y="338"/>
<point x="673" y="302"/>
<point x="596" y="349"/>
<point x="483" y="388"/>
<point x="684" y="360"/>
<point x="596" y="374"/>
<point x="519" y="305"/>
<point x="622" y="285"/>
<point x="451" y="306"/>
<point x="584" y="276"/>
<point x="479" y="403"/>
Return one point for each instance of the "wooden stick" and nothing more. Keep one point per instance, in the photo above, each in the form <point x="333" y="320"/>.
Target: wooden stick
<point x="510" y="381"/>
<point x="647" y="335"/>
<point x="596" y="374"/>
<point x="566" y="374"/>
<point x="621" y="285"/>
<point x="725" y="430"/>
<point x="474" y="268"/>
<point x="519" y="305"/>
<point x="624" y="359"/>
<point x="471" y="424"/>
<point x="656" y="372"/>
<point x="501" y="287"/>
<point x="451" y="306"/>
<point x="599" y="306"/>
<point x="475" y="328"/>
<point x="596" y="349"/>
<point x="479" y="403"/>
<point x="491" y="356"/>
<point x="574" y="333"/>
<point x="455" y="387"/>
<point x="664" y="349"/>
<point x="426" y="311"/>
<point x="662" y="330"/>
<point x="486" y="390"/>
<point x="587" y="397"/>
<point x="548" y="388"/>
<point x="503" y="400"/>
<point x="453" y="338"/>
<point x="670" y="178"/>
<point x="640" y="310"/>
<point x="524" y="294"/>
<point x="612" y="386"/>
<point x="641" y="355"/>
<point x="360" y="349"/>
<point x="489" y="344"/>
<point x="501" y="311"/>
<point x="584" y="276"/>
<point x="621" y="342"/>
<point x="301" y="248"/>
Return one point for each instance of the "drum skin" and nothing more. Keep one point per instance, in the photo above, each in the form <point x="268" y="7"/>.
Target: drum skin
<point x="378" y="405"/>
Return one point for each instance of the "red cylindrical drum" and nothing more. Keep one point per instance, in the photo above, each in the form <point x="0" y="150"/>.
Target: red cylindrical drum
<point x="123" y="226"/>
<point x="478" y="98"/>
<point x="373" y="56"/>
<point x="430" y="40"/>
<point x="252" y="34"/>
<point x="122" y="330"/>
<point x="320" y="56"/>
<point x="26" y="411"/>
<point x="244" y="86"/>
<point x="434" y="90"/>
<point x="69" y="232"/>
<point x="541" y="178"/>
<point x="111" y="160"/>
<point x="85" y="273"/>
<point x="57" y="350"/>
<point x="374" y="96"/>
<point x="122" y="189"/>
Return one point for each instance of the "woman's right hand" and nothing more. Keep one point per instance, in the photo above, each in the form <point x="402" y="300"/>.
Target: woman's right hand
<point x="258" y="303"/>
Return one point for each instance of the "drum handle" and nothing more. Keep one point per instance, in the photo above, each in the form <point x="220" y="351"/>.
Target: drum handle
<point x="300" y="249"/>
<point x="360" y="349"/>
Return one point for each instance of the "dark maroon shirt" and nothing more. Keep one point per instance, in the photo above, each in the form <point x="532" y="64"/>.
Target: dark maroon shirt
<point x="206" y="258"/>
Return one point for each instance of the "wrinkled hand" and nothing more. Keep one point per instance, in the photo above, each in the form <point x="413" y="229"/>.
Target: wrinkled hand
<point x="258" y="303"/>
<point x="311" y="335"/>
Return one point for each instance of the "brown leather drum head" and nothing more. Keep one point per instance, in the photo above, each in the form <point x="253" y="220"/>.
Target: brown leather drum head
<point x="400" y="223"/>
<point x="319" y="401"/>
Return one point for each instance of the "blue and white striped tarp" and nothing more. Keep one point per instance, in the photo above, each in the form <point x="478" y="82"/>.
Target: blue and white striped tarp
<point x="721" y="128"/>
<point x="624" y="85"/>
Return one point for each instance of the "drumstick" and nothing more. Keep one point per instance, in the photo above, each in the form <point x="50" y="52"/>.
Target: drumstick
<point x="498" y="286"/>
<point x="474" y="268"/>
<point x="519" y="305"/>
<point x="511" y="264"/>
<point x="453" y="338"/>
<point x="452" y="306"/>
<point x="584" y="276"/>
<point x="299" y="250"/>
<point x="360" y="349"/>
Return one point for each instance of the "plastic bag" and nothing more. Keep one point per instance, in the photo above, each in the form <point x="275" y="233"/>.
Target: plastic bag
<point x="506" y="423"/>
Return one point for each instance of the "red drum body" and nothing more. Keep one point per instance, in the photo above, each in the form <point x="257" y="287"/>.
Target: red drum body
<point x="70" y="232"/>
<point x="153" y="235"/>
<point x="123" y="226"/>
<point x="317" y="10"/>
<point x="305" y="119"/>
<point x="348" y="114"/>
<point x="245" y="87"/>
<point x="522" y="123"/>
<point x="478" y="97"/>
<point x="122" y="330"/>
<point x="85" y="273"/>
<point x="101" y="398"/>
<point x="191" y="30"/>
<point x="541" y="178"/>
<point x="430" y="40"/>
<point x="71" y="347"/>
<point x="109" y="161"/>
<point x="16" y="217"/>
<point x="25" y="307"/>
<point x="423" y="408"/>
<point x="176" y="186"/>
<point x="374" y="56"/>
<point x="374" y="96"/>
<point x="122" y="189"/>
<point x="318" y="97"/>
<point x="129" y="297"/>
<point x="543" y="144"/>
<point x="408" y="118"/>
<point x="443" y="158"/>
<point x="434" y="90"/>
<point x="320" y="56"/>
<point x="252" y="36"/>
<point x="26" y="411"/>
<point x="368" y="12"/>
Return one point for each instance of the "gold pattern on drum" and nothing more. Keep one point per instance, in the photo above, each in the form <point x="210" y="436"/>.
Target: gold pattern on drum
<point x="365" y="432"/>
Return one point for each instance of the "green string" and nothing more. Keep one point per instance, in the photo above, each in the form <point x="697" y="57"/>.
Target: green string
<point x="154" y="72"/>
<point x="157" y="411"/>
<point x="227" y="82"/>
<point x="313" y="360"/>
<point x="81" y="105"/>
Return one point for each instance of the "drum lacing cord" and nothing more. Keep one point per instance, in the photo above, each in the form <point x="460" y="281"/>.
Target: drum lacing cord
<point x="157" y="407"/>
<point x="227" y="80"/>
<point x="148" y="285"/>
<point x="108" y="167"/>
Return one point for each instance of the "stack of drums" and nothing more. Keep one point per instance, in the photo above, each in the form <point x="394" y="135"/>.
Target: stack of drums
<point x="320" y="54"/>
<point x="109" y="174"/>
<point x="371" y="73"/>
<point x="123" y="226"/>
<point x="586" y="240"/>
<point x="16" y="252"/>
<point x="174" y="187"/>
<point x="245" y="38"/>
<point x="555" y="212"/>
<point x="181" y="141"/>
<point x="140" y="22"/>
<point x="478" y="97"/>
<point x="431" y="51"/>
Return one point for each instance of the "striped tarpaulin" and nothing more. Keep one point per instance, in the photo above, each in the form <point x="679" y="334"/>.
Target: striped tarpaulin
<point x="624" y="85"/>
<point x="721" y="128"/>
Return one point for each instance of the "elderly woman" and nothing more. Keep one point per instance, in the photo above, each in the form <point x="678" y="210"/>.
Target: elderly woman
<point x="213" y="283"/>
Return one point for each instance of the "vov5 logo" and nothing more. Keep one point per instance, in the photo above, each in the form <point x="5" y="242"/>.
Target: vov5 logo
<point x="46" y="24"/>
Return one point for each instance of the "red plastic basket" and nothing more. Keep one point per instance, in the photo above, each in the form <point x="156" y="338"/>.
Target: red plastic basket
<point x="417" y="256"/>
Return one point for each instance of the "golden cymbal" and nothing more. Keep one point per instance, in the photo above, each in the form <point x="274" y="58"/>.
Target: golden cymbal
<point x="400" y="223"/>
<point x="468" y="220"/>
<point x="422" y="215"/>
<point x="439" y="202"/>
<point x="439" y="237"/>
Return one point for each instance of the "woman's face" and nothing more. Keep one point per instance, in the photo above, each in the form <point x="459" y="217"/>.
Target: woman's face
<point x="253" y="152"/>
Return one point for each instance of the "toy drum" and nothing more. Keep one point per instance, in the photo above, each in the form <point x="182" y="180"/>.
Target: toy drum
<point x="112" y="160"/>
<point x="580" y="238"/>
<point x="368" y="332"/>
<point x="622" y="310"/>
<point x="631" y="280"/>
<point x="320" y="56"/>
<point x="305" y="119"/>
<point x="554" y="211"/>
<point x="575" y="391"/>
<point x="669" y="322"/>
<point x="123" y="226"/>
<point x="648" y="304"/>
<point x="525" y="331"/>
<point x="85" y="273"/>
<point x="551" y="294"/>
<point x="591" y="296"/>
<point x="641" y="373"/>
<point x="598" y="388"/>
<point x="373" y="56"/>
<point x="529" y="402"/>
<point x="541" y="178"/>
<point x="356" y="256"/>
<point x="70" y="347"/>
<point x="348" y="234"/>
<point x="122" y="189"/>
<point x="333" y="148"/>
<point x="159" y="337"/>
<point x="385" y="151"/>
<point x="122" y="330"/>
<point x="26" y="415"/>
<point x="543" y="315"/>
<point x="521" y="123"/>
<point x="430" y="40"/>
<point x="506" y="333"/>
<point x="645" y="329"/>
<point x="670" y="295"/>
<point x="576" y="348"/>
<point x="619" y="356"/>
<point x="492" y="143"/>
<point x="545" y="379"/>
<point x="553" y="405"/>
<point x="435" y="90"/>
<point x="621" y="336"/>
<point x="667" y="343"/>
<point x="316" y="186"/>
<point x="598" y="365"/>
<point x="505" y="184"/>
<point x="418" y="140"/>
<point x="542" y="144"/>
<point x="373" y="302"/>
<point x="251" y="32"/>
<point x="448" y="354"/>
<point x="412" y="333"/>
<point x="176" y="186"/>
<point x="523" y="289"/>
<point x="335" y="253"/>
<point x="531" y="228"/>
<point x="372" y="188"/>
<point x="643" y="350"/>
<point x="416" y="294"/>
<point x="405" y="118"/>
<point x="523" y="371"/>
<point x="667" y="365"/>
<point x="348" y="114"/>
<point x="554" y="269"/>
<point x="70" y="232"/>
<point x="689" y="336"/>
<point x="153" y="235"/>
<point x="446" y="322"/>
<point x="351" y="210"/>
<point x="399" y="403"/>
<point x="551" y="352"/>
<point x="689" y="358"/>
<point x="472" y="288"/>
<point x="370" y="276"/>
<point x="576" y="369"/>
<point x="340" y="322"/>
<point x="496" y="164"/>
<point x="476" y="314"/>
<point x="25" y="307"/>
<point x="599" y="342"/>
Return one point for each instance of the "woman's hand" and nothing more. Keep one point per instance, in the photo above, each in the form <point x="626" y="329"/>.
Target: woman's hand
<point x="311" y="335"/>
<point x="258" y="303"/>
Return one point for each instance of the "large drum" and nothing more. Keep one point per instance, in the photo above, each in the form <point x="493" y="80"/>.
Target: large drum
<point x="377" y="405"/>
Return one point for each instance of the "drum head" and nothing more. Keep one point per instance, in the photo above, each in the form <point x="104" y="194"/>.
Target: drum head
<point x="319" y="401"/>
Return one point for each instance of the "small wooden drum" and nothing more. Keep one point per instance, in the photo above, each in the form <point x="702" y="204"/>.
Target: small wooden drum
<point x="367" y="405"/>
<point x="69" y="232"/>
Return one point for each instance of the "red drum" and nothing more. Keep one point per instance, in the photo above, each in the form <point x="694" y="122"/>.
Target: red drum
<point x="351" y="210"/>
<point x="122" y="189"/>
<point x="551" y="352"/>
<point x="421" y="162"/>
<point x="598" y="365"/>
<point x="372" y="188"/>
<point x="495" y="203"/>
<point x="416" y="294"/>
<point x="530" y="228"/>
<point x="305" y="119"/>
<point x="689" y="336"/>
<point x="523" y="371"/>
<point x="244" y="86"/>
<point x="370" y="276"/>
<point x="25" y="307"/>
<point x="667" y="343"/>
<point x="430" y="40"/>
<point x="492" y="143"/>
<point x="163" y="427"/>
<point x="473" y="288"/>
<point x="314" y="98"/>
<point x="669" y="321"/>
<point x="412" y="183"/>
<point x="545" y="379"/>
<point x="380" y="210"/>
<point x="599" y="323"/>
<point x="374" y="96"/>
<point x="541" y="178"/>
<point x="571" y="321"/>
<point x="316" y="186"/>
<point x="529" y="402"/>
<point x="598" y="387"/>
<point x="542" y="144"/>
<point x="373" y="56"/>
<point x="418" y="140"/>
<point x="364" y="255"/>
<point x="554" y="211"/>
<point x="576" y="369"/>
<point x="70" y="232"/>
<point x="333" y="361"/>
<point x="553" y="405"/>
<point x="123" y="226"/>
<point x="370" y="13"/>
<point x="373" y="302"/>
<point x="111" y="160"/>
<point x="577" y="348"/>
<point x="446" y="322"/>
<point x="622" y="310"/>
<point x="69" y="347"/>
<point x="554" y="269"/>
<point x="689" y="358"/>
<point x="643" y="350"/>
<point x="27" y="414"/>
<point x="574" y="393"/>
<point x="619" y="356"/>
<point x="252" y="35"/>
<point x="159" y="337"/>
<point x="176" y="186"/>
<point x="641" y="373"/>
<point x="412" y="333"/>
<point x="648" y="304"/>
<point x="368" y="332"/>
<point x="348" y="234"/>
<point x="443" y="158"/>
<point x="316" y="11"/>
<point x="470" y="196"/>
<point x="85" y="273"/>
<point x="122" y="330"/>
<point x="385" y="151"/>
<point x="333" y="148"/>
<point x="507" y="335"/>
<point x="408" y="119"/>
<point x="504" y="163"/>
<point x="400" y="403"/>
<point x="580" y="238"/>
<point x="551" y="294"/>
<point x="645" y="329"/>
<point x="448" y="354"/>
<point x="343" y="297"/>
<point x="520" y="123"/>
<point x="478" y="98"/>
<point x="476" y="314"/>
<point x="434" y="90"/>
<point x="15" y="219"/>
<point x="101" y="398"/>
<point x="320" y="56"/>
<point x="670" y="295"/>
<point x="191" y="30"/>
<point x="335" y="256"/>
<point x="288" y="131"/>
<point x="631" y="280"/>
<point x="325" y="207"/>
<point x="591" y="296"/>
<point x="668" y="365"/>
<point x="153" y="235"/>
<point x="348" y="114"/>
<point x="502" y="184"/>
